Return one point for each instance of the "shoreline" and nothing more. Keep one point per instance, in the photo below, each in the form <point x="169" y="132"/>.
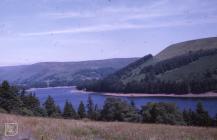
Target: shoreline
<point x="137" y="95"/>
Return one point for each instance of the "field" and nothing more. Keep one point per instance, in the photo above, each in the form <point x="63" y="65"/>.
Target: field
<point x="32" y="128"/>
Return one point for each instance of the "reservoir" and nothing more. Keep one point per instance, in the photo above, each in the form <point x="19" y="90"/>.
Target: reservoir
<point x="61" y="94"/>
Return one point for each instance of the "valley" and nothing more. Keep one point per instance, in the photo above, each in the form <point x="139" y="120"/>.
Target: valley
<point x="54" y="74"/>
<point x="108" y="70"/>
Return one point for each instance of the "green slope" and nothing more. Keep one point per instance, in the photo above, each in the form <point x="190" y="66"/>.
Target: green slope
<point x="187" y="62"/>
<point x="185" y="47"/>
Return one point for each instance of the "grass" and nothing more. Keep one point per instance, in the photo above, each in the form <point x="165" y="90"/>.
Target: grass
<point x="33" y="128"/>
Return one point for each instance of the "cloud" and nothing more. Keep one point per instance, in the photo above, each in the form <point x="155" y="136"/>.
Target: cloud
<point x="71" y="14"/>
<point x="124" y="26"/>
<point x="88" y="29"/>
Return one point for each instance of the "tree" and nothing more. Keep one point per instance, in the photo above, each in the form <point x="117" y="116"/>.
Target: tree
<point x="9" y="99"/>
<point x="202" y="117"/>
<point x="187" y="116"/>
<point x="69" y="111"/>
<point x="132" y="103"/>
<point x="215" y="120"/>
<point x="132" y="114"/>
<point x="5" y="85"/>
<point x="115" y="109"/>
<point x="81" y="110"/>
<point x="166" y="113"/>
<point x="32" y="103"/>
<point x="51" y="108"/>
<point x="90" y="107"/>
<point x="97" y="113"/>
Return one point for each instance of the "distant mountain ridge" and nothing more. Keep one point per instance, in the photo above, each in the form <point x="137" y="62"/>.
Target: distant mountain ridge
<point x="62" y="73"/>
<point x="184" y="67"/>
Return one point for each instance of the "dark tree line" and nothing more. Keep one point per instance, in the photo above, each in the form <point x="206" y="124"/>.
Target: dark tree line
<point x="152" y="87"/>
<point x="16" y="101"/>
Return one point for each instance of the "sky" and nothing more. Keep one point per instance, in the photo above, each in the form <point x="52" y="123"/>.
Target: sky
<point x="75" y="30"/>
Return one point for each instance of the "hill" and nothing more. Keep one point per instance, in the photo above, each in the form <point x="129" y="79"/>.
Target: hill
<point x="186" y="47"/>
<point x="58" y="129"/>
<point x="171" y="53"/>
<point x="61" y="73"/>
<point x="180" y="68"/>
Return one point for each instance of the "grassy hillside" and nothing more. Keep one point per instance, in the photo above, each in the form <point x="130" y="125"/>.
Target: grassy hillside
<point x="192" y="62"/>
<point x="31" y="128"/>
<point x="62" y="72"/>
<point x="187" y="46"/>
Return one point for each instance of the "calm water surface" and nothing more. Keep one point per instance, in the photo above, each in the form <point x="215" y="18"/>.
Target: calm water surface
<point x="62" y="94"/>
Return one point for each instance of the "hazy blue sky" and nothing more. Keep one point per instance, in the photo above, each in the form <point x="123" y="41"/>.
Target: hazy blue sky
<point x="73" y="30"/>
